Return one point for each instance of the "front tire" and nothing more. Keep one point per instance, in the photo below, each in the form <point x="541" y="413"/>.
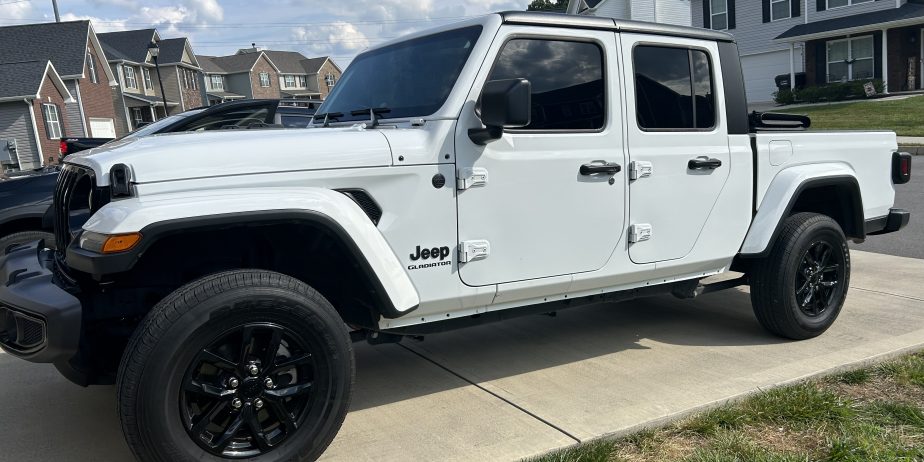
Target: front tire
<point x="243" y="364"/>
<point x="798" y="290"/>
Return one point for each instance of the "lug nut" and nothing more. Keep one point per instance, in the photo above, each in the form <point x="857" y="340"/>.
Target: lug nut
<point x="253" y="369"/>
<point x="268" y="383"/>
<point x="236" y="403"/>
<point x="258" y="403"/>
<point x="233" y="383"/>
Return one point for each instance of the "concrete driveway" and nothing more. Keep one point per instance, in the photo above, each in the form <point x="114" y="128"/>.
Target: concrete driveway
<point x="529" y="385"/>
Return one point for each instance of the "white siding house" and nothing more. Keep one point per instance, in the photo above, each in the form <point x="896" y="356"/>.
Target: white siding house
<point x="664" y="11"/>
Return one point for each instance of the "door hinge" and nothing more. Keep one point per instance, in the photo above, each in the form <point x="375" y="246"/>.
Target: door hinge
<point x="639" y="169"/>
<point x="473" y="250"/>
<point x="639" y="233"/>
<point x="471" y="177"/>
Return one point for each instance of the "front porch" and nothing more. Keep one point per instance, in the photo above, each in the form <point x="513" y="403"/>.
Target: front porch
<point x="886" y="45"/>
<point x="143" y="109"/>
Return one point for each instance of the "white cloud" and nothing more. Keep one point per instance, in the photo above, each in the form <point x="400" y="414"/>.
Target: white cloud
<point x="338" y="38"/>
<point x="99" y="24"/>
<point x="15" y="11"/>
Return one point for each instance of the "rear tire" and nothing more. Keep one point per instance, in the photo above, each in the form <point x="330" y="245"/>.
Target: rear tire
<point x="798" y="290"/>
<point x="242" y="364"/>
<point x="24" y="237"/>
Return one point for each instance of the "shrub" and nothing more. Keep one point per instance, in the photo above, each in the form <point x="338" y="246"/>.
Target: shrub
<point x="834" y="92"/>
<point x="784" y="96"/>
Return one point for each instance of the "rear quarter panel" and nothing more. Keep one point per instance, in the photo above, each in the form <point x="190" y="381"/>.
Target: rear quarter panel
<point x="867" y="155"/>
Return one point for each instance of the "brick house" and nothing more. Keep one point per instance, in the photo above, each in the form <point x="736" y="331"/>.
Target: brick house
<point x="302" y="78"/>
<point x="245" y="75"/>
<point x="140" y="100"/>
<point x="76" y="54"/>
<point x="34" y="103"/>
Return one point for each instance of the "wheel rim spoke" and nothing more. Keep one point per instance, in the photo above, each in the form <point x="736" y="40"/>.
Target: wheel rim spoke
<point x="208" y="390"/>
<point x="272" y="348"/>
<point x="289" y="392"/>
<point x="256" y="431"/>
<point x="279" y="410"/>
<point x="817" y="278"/>
<point x="225" y="439"/>
<point x="290" y="363"/>
<point x="205" y="420"/>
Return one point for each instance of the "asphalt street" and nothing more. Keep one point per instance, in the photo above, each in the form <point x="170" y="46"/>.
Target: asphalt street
<point x="909" y="242"/>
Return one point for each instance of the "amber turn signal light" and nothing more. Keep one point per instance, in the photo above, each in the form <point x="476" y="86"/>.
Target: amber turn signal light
<point x="121" y="243"/>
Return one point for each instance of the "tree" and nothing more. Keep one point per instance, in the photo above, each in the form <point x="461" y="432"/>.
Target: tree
<point x="548" y="5"/>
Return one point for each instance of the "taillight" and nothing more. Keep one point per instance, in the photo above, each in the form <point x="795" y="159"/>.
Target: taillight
<point x="901" y="167"/>
<point x="62" y="148"/>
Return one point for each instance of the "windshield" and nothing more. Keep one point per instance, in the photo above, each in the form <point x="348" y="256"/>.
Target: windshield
<point x="411" y="78"/>
<point x="155" y="127"/>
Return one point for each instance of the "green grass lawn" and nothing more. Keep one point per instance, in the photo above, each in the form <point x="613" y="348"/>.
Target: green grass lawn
<point x="873" y="414"/>
<point x="905" y="117"/>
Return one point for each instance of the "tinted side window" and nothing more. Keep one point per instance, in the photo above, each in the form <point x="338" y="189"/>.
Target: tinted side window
<point x="673" y="88"/>
<point x="568" y="89"/>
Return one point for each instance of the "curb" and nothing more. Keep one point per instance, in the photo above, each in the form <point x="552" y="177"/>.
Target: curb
<point x="913" y="150"/>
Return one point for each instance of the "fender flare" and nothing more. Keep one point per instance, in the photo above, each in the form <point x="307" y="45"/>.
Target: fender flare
<point x="333" y="211"/>
<point x="782" y="194"/>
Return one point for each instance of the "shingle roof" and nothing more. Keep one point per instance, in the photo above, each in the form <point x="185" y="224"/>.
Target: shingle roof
<point x="288" y="62"/>
<point x="130" y="45"/>
<point x="61" y="43"/>
<point x="228" y="64"/>
<point x="907" y="12"/>
<point x="171" y="50"/>
<point x="21" y="78"/>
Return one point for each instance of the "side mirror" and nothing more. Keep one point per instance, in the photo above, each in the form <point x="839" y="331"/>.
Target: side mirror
<point x="504" y="104"/>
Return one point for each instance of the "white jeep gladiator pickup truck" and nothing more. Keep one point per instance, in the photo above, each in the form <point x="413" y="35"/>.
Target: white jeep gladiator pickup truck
<point x="514" y="163"/>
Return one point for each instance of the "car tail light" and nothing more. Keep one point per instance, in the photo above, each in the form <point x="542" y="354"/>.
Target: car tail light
<point x="62" y="148"/>
<point x="901" y="167"/>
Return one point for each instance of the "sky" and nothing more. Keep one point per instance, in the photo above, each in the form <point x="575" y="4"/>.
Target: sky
<point x="340" y="29"/>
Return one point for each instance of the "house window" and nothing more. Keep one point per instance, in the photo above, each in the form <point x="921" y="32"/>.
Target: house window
<point x="719" y="14"/>
<point x="264" y="80"/>
<point x="290" y="81"/>
<point x="780" y="9"/>
<point x="850" y="59"/>
<point x="147" y="78"/>
<point x="330" y="80"/>
<point x="91" y="68"/>
<point x="130" y="81"/>
<point x="676" y="78"/>
<point x="560" y="100"/>
<point x="843" y="3"/>
<point x="191" y="78"/>
<point x="218" y="82"/>
<point x="137" y="117"/>
<point x="52" y="121"/>
<point x="302" y="81"/>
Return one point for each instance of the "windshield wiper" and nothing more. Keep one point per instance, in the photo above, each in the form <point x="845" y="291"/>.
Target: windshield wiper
<point x="328" y="116"/>
<point x="374" y="113"/>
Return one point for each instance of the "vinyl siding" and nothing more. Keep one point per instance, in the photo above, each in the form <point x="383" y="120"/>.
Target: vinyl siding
<point x="673" y="12"/>
<point x="239" y="83"/>
<point x="613" y="9"/>
<point x="663" y="11"/>
<point x="72" y="112"/>
<point x="171" y="86"/>
<point x="16" y="124"/>
<point x="849" y="10"/>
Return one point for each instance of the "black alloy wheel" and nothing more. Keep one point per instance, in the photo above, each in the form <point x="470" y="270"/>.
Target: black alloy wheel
<point x="818" y="278"/>
<point x="249" y="390"/>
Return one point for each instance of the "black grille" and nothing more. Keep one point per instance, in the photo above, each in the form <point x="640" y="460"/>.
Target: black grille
<point x="365" y="202"/>
<point x="21" y="332"/>
<point x="76" y="198"/>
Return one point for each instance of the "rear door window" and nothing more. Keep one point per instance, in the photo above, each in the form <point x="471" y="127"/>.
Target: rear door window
<point x="673" y="89"/>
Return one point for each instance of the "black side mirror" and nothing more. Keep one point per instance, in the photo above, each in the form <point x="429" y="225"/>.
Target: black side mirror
<point x="504" y="104"/>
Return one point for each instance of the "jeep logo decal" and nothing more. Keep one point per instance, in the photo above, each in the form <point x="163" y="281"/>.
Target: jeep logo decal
<point x="435" y="253"/>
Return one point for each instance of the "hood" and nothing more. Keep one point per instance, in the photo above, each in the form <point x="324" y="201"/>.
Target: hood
<point x="179" y="156"/>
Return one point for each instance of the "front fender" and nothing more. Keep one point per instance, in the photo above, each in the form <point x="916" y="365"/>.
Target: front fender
<point x="169" y="213"/>
<point x="781" y="195"/>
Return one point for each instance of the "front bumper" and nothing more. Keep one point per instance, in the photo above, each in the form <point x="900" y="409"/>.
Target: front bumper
<point x="39" y="321"/>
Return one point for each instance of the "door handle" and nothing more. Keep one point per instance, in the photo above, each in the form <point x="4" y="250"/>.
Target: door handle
<point x="600" y="166"/>
<point x="704" y="163"/>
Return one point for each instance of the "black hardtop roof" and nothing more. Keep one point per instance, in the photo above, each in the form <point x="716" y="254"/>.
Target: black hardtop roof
<point x="536" y="18"/>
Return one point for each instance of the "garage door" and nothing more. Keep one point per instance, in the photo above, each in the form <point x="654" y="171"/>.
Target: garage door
<point x="102" y="128"/>
<point x="760" y="70"/>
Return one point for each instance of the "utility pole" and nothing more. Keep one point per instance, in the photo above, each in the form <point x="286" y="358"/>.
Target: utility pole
<point x="57" y="15"/>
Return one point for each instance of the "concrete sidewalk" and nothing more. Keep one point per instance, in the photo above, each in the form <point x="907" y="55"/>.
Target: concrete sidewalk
<point x="526" y="386"/>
